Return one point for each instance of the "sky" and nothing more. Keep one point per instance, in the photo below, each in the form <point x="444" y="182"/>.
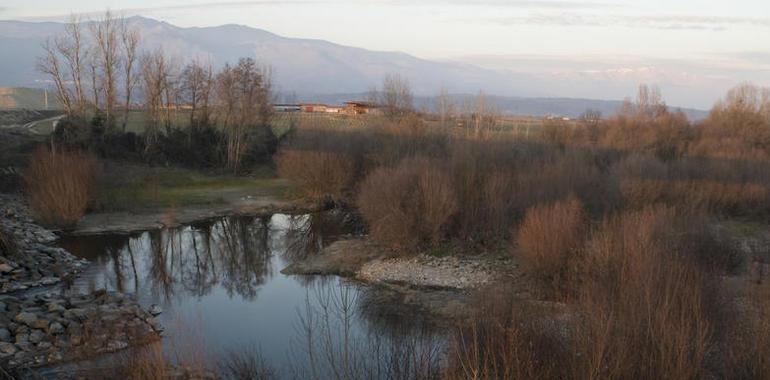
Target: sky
<point x="681" y="45"/>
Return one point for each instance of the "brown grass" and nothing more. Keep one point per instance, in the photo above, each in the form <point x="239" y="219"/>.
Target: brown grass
<point x="549" y="239"/>
<point x="60" y="185"/>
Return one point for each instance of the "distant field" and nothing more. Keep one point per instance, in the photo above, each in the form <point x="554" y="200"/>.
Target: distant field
<point x="26" y="98"/>
<point x="281" y="122"/>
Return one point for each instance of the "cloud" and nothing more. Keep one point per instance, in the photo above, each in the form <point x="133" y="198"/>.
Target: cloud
<point x="208" y="5"/>
<point x="665" y="22"/>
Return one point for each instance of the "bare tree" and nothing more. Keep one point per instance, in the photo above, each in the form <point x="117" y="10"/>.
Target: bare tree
<point x="129" y="38"/>
<point x="106" y="32"/>
<point x="243" y="92"/>
<point x="50" y="65"/>
<point x="171" y="94"/>
<point x="93" y="71"/>
<point x="397" y="99"/>
<point x="196" y="91"/>
<point x="73" y="50"/>
<point x="445" y="108"/>
<point x="483" y="115"/>
<point x="154" y="74"/>
<point x="590" y="120"/>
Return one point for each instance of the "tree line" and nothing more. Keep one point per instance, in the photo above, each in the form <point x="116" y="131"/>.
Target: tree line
<point x="101" y="71"/>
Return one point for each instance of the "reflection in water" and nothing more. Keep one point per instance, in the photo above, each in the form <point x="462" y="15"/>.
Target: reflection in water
<point x="222" y="278"/>
<point x="233" y="253"/>
<point x="329" y="345"/>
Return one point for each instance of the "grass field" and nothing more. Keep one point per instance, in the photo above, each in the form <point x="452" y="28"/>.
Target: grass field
<point x="134" y="188"/>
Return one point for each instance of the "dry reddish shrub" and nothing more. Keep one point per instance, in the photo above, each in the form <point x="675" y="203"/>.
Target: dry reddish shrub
<point x="549" y="239"/>
<point x="60" y="185"/>
<point x="318" y="174"/>
<point x="647" y="310"/>
<point x="507" y="339"/>
<point x="409" y="205"/>
<point x="708" y="195"/>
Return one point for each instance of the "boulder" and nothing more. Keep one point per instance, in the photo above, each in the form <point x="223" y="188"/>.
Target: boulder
<point x="55" y="328"/>
<point x="26" y="318"/>
<point x="5" y="335"/>
<point x="7" y="349"/>
<point x="36" y="336"/>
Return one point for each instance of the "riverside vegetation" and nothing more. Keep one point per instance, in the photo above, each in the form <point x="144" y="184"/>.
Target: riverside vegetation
<point x="616" y="218"/>
<point x="619" y="223"/>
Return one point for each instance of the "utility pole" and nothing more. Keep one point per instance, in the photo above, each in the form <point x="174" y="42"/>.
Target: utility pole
<point x="45" y="96"/>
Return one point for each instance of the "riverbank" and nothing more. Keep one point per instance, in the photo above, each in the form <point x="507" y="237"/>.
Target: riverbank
<point x="446" y="287"/>
<point x="41" y="323"/>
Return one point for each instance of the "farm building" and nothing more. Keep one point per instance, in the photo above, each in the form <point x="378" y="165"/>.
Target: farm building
<point x="313" y="107"/>
<point x="286" y="107"/>
<point x="359" y="108"/>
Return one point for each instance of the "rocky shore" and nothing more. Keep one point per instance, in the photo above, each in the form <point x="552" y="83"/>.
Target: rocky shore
<point x="41" y="324"/>
<point x="52" y="328"/>
<point x="452" y="272"/>
<point x="36" y="261"/>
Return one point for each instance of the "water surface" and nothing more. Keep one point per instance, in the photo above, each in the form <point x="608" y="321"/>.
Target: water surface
<point x="221" y="291"/>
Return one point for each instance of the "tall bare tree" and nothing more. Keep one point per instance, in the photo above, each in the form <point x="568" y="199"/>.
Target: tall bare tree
<point x="154" y="73"/>
<point x="243" y="92"/>
<point x="50" y="65"/>
<point x="96" y="89"/>
<point x="72" y="48"/>
<point x="105" y="32"/>
<point x="196" y="92"/>
<point x="129" y="38"/>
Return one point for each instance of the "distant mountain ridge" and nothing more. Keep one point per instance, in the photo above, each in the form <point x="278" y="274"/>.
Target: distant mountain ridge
<point x="305" y="67"/>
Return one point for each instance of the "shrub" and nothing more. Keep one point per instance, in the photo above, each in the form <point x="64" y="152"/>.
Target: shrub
<point x="60" y="185"/>
<point x="647" y="311"/>
<point x="549" y="239"/>
<point x="409" y="205"/>
<point x="318" y="175"/>
<point x="707" y="195"/>
<point x="506" y="339"/>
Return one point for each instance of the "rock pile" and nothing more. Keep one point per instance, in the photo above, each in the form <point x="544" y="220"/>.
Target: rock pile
<point x="36" y="262"/>
<point x="51" y="328"/>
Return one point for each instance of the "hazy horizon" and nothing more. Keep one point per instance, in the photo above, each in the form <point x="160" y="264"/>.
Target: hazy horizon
<point x="694" y="51"/>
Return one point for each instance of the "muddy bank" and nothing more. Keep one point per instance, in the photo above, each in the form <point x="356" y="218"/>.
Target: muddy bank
<point x="126" y="222"/>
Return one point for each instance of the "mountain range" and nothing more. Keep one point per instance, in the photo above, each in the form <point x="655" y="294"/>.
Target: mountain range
<point x="307" y="68"/>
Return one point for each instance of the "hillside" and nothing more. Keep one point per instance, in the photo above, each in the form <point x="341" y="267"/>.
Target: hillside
<point x="309" y="69"/>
